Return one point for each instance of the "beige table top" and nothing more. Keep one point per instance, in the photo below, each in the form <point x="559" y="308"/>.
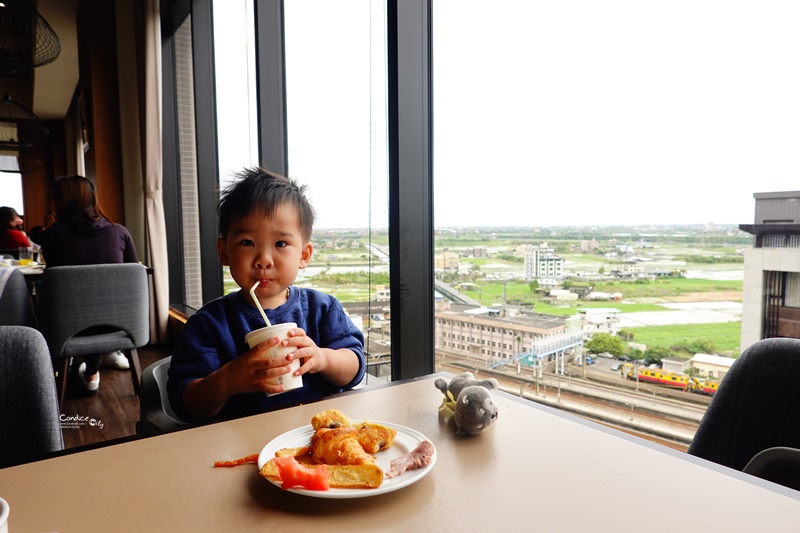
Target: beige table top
<point x="535" y="469"/>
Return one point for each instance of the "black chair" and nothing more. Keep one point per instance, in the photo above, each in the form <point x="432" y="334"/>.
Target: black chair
<point x="780" y="465"/>
<point x="94" y="309"/>
<point x="16" y="307"/>
<point x="29" y="414"/>
<point x="757" y="406"/>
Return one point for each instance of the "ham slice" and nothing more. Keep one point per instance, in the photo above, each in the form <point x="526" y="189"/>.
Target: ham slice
<point x="416" y="458"/>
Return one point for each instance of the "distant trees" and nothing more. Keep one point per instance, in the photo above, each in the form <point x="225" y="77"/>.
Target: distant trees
<point x="510" y="258"/>
<point x="352" y="278"/>
<point x="695" y="346"/>
<point x="714" y="259"/>
<point x="605" y="342"/>
<point x="533" y="286"/>
<point x="655" y="354"/>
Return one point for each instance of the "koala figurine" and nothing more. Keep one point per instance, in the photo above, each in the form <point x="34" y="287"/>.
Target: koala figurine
<point x="471" y="400"/>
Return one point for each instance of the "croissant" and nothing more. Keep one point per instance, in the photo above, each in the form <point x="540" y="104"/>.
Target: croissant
<point x="375" y="437"/>
<point x="330" y="418"/>
<point x="338" y="446"/>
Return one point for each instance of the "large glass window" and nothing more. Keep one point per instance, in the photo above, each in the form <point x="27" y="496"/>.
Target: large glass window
<point x="600" y="155"/>
<point x="234" y="69"/>
<point x="11" y="191"/>
<point x="235" y="88"/>
<point x="337" y="147"/>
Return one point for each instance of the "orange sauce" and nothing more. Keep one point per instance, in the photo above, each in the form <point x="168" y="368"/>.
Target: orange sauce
<point x="236" y="462"/>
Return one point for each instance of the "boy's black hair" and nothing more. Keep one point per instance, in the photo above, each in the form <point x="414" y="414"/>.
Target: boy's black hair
<point x="259" y="190"/>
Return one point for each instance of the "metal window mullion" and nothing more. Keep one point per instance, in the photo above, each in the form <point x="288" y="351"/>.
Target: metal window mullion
<point x="271" y="86"/>
<point x="207" y="149"/>
<point x="410" y="186"/>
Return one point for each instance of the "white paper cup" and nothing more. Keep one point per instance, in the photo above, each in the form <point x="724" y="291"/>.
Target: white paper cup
<point x="4" y="512"/>
<point x="254" y="338"/>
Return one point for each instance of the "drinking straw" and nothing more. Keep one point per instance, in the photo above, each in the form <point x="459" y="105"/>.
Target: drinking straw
<point x="258" y="304"/>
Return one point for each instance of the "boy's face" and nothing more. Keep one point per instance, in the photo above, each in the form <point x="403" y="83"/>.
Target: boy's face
<point x="270" y="250"/>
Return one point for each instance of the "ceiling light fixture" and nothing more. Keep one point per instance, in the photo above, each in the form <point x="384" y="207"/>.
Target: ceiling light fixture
<point x="26" y="39"/>
<point x="20" y="131"/>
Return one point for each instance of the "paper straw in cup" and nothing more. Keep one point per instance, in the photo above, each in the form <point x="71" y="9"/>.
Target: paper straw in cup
<point x="258" y="304"/>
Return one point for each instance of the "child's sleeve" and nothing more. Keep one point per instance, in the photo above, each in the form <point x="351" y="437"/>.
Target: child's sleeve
<point x="338" y="331"/>
<point x="196" y="355"/>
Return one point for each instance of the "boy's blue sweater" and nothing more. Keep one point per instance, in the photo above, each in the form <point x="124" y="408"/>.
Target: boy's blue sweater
<point x="215" y="335"/>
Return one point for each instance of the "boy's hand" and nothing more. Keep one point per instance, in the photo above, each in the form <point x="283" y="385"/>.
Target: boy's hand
<point x="250" y="371"/>
<point x="313" y="358"/>
<point x="337" y="366"/>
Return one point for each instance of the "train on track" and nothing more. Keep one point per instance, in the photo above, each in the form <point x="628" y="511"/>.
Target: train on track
<point x="670" y="379"/>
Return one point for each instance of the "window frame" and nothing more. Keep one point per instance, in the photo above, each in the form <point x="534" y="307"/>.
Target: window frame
<point x="410" y="100"/>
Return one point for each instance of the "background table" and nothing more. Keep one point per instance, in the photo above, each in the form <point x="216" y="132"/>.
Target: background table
<point x="535" y="469"/>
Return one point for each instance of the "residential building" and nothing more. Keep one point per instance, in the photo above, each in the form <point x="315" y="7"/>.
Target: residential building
<point x="480" y="251"/>
<point x="484" y="333"/>
<point x="711" y="366"/>
<point x="674" y="364"/>
<point x="540" y="264"/>
<point x="589" y="246"/>
<point x="599" y="320"/>
<point x="771" y="288"/>
<point x="630" y="267"/>
<point x="446" y="261"/>
<point x="382" y="293"/>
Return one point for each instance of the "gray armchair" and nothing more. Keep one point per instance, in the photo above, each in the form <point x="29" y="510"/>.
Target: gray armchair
<point x="29" y="414"/>
<point x="94" y="309"/>
<point x="16" y="308"/>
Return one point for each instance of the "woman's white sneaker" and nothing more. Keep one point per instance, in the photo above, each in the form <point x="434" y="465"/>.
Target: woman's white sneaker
<point x="90" y="386"/>
<point x="116" y="360"/>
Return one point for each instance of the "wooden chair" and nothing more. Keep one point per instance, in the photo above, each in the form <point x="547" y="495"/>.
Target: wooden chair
<point x="94" y="309"/>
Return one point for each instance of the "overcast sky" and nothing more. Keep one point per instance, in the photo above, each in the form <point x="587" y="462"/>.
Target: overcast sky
<point x="608" y="112"/>
<point x="545" y="113"/>
<point x="562" y="113"/>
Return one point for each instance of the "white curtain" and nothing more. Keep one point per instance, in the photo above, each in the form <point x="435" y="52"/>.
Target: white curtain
<point x="149" y="67"/>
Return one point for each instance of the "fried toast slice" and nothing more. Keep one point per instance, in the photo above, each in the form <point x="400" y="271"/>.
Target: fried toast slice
<point x="368" y="476"/>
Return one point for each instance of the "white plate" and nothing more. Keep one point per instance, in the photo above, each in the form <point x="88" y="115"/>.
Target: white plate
<point x="406" y="440"/>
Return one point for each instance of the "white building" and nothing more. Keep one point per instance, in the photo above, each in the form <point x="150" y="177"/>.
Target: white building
<point x="631" y="267"/>
<point x="711" y="366"/>
<point x="599" y="320"/>
<point x="541" y="264"/>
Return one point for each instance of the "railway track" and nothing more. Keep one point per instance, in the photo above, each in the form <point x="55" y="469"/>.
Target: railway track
<point x="664" y="420"/>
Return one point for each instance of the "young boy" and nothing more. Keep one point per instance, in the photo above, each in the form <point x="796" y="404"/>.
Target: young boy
<point x="265" y="226"/>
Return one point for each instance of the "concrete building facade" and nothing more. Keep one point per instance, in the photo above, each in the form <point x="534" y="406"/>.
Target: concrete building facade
<point x="771" y="287"/>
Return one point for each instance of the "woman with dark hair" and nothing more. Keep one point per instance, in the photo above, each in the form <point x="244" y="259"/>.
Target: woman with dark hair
<point x="83" y="235"/>
<point x="10" y="236"/>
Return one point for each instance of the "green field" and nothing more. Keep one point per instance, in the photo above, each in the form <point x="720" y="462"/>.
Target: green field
<point x="664" y="288"/>
<point x="725" y="336"/>
<point x="572" y="308"/>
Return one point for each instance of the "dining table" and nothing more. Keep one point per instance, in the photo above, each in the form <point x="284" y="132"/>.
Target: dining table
<point x="534" y="469"/>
